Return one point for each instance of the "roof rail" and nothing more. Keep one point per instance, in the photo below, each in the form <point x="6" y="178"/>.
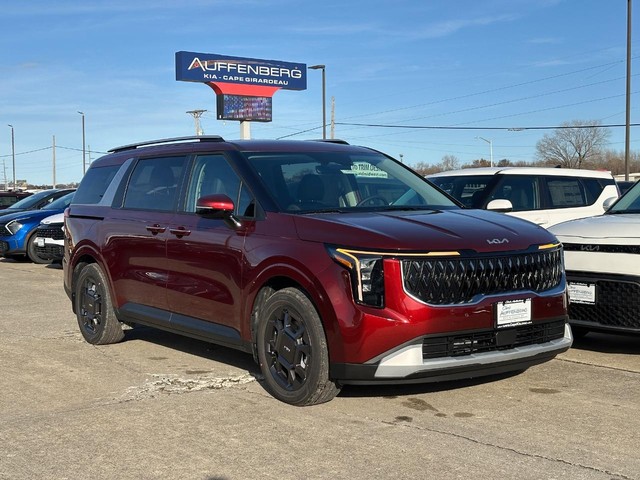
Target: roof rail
<point x="201" y="138"/>
<point x="331" y="140"/>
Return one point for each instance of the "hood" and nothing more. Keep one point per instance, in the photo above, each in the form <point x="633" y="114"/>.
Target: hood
<point x="420" y="231"/>
<point x="56" y="218"/>
<point x="28" y="215"/>
<point x="608" y="229"/>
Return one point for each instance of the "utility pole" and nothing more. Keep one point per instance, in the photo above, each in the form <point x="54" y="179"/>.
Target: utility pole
<point x="333" y="117"/>
<point x="13" y="156"/>
<point x="196" y="118"/>
<point x="54" y="162"/>
<point x="84" y="150"/>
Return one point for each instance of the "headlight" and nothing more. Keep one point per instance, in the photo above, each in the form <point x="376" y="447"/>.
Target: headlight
<point x="14" y="226"/>
<point x="367" y="274"/>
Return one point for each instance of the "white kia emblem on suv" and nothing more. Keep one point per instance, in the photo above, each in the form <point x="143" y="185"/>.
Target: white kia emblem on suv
<point x="497" y="241"/>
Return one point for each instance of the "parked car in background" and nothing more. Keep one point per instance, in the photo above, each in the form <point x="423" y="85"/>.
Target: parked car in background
<point x="7" y="199"/>
<point x="288" y="250"/>
<point x="49" y="238"/>
<point x="544" y="196"/>
<point x="602" y="259"/>
<point x="17" y="230"/>
<point x="36" y="201"/>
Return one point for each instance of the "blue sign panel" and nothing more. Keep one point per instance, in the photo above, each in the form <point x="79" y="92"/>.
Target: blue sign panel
<point x="210" y="67"/>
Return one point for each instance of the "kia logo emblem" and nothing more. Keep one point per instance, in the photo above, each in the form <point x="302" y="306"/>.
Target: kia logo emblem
<point x="497" y="241"/>
<point x="590" y="248"/>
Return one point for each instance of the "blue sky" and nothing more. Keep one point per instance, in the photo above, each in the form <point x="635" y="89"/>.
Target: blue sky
<point x="464" y="63"/>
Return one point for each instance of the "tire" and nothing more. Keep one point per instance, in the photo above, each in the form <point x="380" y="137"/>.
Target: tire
<point x="292" y="350"/>
<point x="32" y="252"/>
<point x="94" y="309"/>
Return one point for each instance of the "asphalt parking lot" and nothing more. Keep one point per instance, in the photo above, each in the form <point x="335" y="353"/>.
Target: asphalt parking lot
<point x="160" y="406"/>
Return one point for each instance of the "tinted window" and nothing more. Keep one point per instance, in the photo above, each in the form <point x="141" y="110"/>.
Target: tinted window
<point x="212" y="175"/>
<point x="567" y="192"/>
<point x="523" y="191"/>
<point x="471" y="190"/>
<point x="61" y="203"/>
<point x="154" y="183"/>
<point x="94" y="184"/>
<point x="33" y="200"/>
<point x="325" y="181"/>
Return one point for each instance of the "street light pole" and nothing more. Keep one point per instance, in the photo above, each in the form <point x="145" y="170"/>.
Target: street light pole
<point x="490" y="149"/>
<point x="628" y="95"/>
<point x="13" y="157"/>
<point x="324" y="102"/>
<point x="84" y="150"/>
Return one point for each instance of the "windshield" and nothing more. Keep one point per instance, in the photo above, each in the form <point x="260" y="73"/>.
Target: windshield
<point x="629" y="202"/>
<point x="329" y="181"/>
<point x="61" y="203"/>
<point x="32" y="200"/>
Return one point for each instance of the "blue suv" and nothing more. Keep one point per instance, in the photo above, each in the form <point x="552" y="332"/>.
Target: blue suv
<point x="17" y="230"/>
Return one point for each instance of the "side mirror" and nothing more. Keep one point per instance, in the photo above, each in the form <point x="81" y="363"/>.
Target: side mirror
<point x="218" y="206"/>
<point x="500" y="205"/>
<point x="608" y="202"/>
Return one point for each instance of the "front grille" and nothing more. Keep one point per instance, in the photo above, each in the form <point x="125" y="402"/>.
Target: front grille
<point x="596" y="247"/>
<point x="4" y="246"/>
<point x="51" y="231"/>
<point x="492" y="340"/>
<point x="456" y="280"/>
<point x="617" y="305"/>
<point x="51" y="251"/>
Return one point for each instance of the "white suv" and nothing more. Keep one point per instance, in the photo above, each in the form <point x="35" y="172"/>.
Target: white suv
<point x="545" y="196"/>
<point x="602" y="259"/>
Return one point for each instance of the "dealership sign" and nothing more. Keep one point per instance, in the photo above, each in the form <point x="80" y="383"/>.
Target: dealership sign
<point x="213" y="68"/>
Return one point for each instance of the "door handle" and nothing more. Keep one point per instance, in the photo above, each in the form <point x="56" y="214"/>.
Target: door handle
<point x="180" y="232"/>
<point x="155" y="229"/>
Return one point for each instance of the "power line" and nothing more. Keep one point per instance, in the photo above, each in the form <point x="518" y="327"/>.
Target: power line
<point x="512" y="129"/>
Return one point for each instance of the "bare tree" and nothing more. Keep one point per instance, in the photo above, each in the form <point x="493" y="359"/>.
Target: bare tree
<point x="573" y="145"/>
<point x="449" y="162"/>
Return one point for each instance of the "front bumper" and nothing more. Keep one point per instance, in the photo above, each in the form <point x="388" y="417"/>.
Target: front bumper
<point x="411" y="363"/>
<point x="617" y="303"/>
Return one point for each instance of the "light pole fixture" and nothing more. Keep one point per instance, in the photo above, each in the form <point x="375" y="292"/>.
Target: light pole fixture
<point x="84" y="150"/>
<point x="490" y="149"/>
<point x="13" y="156"/>
<point x="324" y="102"/>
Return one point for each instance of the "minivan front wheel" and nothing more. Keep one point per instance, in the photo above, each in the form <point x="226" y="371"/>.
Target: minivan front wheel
<point x="292" y="350"/>
<point x="94" y="309"/>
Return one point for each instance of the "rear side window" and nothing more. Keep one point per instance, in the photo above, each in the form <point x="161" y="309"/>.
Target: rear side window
<point x="567" y="192"/>
<point x="94" y="184"/>
<point x="523" y="191"/>
<point x="468" y="189"/>
<point x="154" y="183"/>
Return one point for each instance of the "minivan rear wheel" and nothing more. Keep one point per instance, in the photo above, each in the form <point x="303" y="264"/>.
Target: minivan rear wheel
<point x="94" y="309"/>
<point x="292" y="350"/>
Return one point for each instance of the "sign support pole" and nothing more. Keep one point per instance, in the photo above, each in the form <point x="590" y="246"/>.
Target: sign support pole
<point x="245" y="130"/>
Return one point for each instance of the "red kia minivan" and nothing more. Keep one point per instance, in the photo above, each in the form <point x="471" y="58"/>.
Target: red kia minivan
<point x="331" y="264"/>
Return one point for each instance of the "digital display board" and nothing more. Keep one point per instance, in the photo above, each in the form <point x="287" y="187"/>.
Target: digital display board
<point x="244" y="108"/>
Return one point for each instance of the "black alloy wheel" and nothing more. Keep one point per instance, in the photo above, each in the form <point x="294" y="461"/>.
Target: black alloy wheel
<point x="292" y="350"/>
<point x="94" y="310"/>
